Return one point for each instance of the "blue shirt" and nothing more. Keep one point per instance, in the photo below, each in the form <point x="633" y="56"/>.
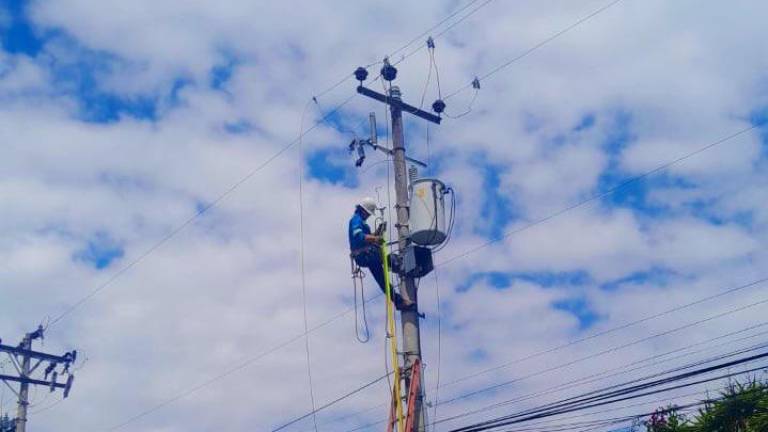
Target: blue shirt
<point x="357" y="232"/>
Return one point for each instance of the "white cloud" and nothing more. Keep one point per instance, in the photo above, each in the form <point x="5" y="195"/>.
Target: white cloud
<point x="227" y="287"/>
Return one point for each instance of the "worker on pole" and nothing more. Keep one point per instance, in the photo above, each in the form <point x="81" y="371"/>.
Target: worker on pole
<point x="365" y="249"/>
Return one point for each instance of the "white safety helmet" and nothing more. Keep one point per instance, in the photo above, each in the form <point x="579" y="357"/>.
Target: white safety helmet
<point x="368" y="204"/>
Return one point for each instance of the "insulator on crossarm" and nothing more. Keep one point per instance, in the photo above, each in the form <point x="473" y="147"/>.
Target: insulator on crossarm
<point x="438" y="106"/>
<point x="361" y="74"/>
<point x="388" y="72"/>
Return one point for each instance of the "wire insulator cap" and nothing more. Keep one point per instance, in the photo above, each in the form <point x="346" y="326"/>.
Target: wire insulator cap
<point x="361" y="74"/>
<point x="388" y="72"/>
<point x="438" y="106"/>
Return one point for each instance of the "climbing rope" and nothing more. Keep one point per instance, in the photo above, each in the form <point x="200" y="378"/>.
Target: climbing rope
<point x="357" y="276"/>
<point x="392" y="335"/>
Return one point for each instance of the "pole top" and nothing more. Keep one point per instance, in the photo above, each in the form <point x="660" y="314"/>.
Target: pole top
<point x="394" y="92"/>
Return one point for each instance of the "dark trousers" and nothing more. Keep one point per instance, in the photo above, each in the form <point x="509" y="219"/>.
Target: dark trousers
<point x="372" y="261"/>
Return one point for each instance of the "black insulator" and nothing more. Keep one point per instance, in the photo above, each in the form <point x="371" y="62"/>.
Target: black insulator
<point x="438" y="106"/>
<point x="388" y="72"/>
<point x="361" y="74"/>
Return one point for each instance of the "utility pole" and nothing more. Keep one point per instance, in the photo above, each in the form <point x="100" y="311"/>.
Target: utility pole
<point x="26" y="363"/>
<point x="22" y="357"/>
<point x="409" y="318"/>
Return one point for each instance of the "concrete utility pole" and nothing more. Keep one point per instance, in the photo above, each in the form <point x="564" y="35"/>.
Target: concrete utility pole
<point x="22" y="357"/>
<point x="409" y="318"/>
<point x="26" y="363"/>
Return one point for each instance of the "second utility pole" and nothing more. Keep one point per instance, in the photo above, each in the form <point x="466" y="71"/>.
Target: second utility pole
<point x="409" y="318"/>
<point x="23" y="404"/>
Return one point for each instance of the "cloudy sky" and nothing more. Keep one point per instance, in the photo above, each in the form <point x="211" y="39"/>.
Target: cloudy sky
<point x="149" y="188"/>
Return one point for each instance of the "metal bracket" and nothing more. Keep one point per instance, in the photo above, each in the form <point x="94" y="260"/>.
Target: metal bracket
<point x="399" y="104"/>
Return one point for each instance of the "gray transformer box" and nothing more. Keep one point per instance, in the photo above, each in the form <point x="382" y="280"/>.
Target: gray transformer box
<point x="417" y="261"/>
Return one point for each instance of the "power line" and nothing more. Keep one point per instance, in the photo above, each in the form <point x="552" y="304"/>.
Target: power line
<point x="615" y="394"/>
<point x="597" y="376"/>
<point x="240" y="366"/>
<point x="331" y="403"/>
<point x="589" y="357"/>
<point x="194" y="217"/>
<point x="249" y="175"/>
<point x="630" y="417"/>
<point x="611" y="350"/>
<point x="580" y="204"/>
<point x="302" y="267"/>
<point x="612" y="330"/>
<point x="593" y="398"/>
<point x="447" y="29"/>
<point x="576" y="404"/>
<point x="600" y="195"/>
<point x="173" y="233"/>
<point x="421" y="36"/>
<point x="635" y="385"/>
<point x="599" y="334"/>
<point x="536" y="47"/>
<point x="595" y="355"/>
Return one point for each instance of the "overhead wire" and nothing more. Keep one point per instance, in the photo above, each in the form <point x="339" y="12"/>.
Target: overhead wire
<point x="610" y="350"/>
<point x="547" y="425"/>
<point x="601" y="397"/>
<point x="599" y="195"/>
<point x="616" y="393"/>
<point x="619" y="370"/>
<point x="302" y="264"/>
<point x="240" y="366"/>
<point x="644" y="383"/>
<point x="47" y="407"/>
<point x="600" y="376"/>
<point x="227" y="192"/>
<point x="57" y="319"/>
<point x="331" y="403"/>
<point x="203" y="210"/>
<point x="573" y="362"/>
<point x="544" y="424"/>
<point x="421" y="36"/>
<point x="445" y="30"/>
<point x="537" y="46"/>
<point x="611" y="330"/>
<point x="606" y="399"/>
<point x="220" y="198"/>
<point x="606" y="351"/>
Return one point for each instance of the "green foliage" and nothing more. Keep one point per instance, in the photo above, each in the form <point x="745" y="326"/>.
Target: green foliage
<point x="667" y="420"/>
<point x="742" y="407"/>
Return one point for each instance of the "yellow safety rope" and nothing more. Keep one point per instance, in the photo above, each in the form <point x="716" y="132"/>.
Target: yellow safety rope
<point x="392" y="341"/>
